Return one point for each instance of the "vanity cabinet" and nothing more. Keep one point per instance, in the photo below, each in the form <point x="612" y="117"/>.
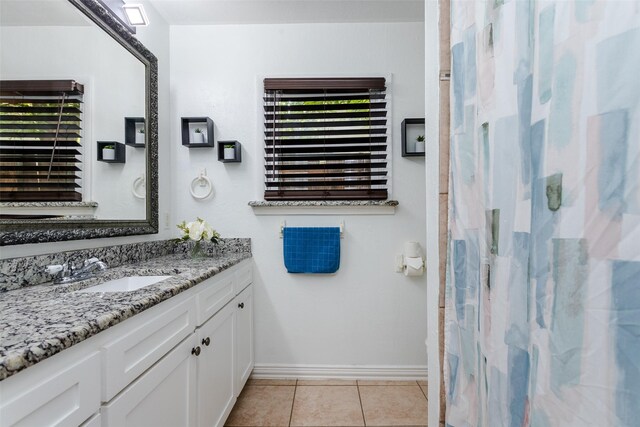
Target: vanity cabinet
<point x="182" y="362"/>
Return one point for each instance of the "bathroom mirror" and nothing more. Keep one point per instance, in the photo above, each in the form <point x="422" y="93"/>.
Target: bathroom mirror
<point x="78" y="124"/>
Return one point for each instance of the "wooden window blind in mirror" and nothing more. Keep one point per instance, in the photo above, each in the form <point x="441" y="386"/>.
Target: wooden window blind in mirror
<point x="40" y="140"/>
<point x="325" y="139"/>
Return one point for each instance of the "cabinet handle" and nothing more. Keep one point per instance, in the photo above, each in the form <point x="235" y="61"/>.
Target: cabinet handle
<point x="241" y="305"/>
<point x="206" y="341"/>
<point x="196" y="351"/>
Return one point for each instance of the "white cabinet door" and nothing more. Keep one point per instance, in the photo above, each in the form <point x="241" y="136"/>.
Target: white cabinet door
<point x="215" y="368"/>
<point x="164" y="396"/>
<point x="244" y="338"/>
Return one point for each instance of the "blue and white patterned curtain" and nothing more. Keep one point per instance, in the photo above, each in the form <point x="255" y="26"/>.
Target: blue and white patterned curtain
<point x="542" y="324"/>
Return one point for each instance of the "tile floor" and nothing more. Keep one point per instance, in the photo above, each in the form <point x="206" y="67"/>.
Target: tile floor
<point x="322" y="403"/>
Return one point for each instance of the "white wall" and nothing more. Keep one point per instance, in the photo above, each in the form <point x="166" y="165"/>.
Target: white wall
<point x="156" y="38"/>
<point x="366" y="314"/>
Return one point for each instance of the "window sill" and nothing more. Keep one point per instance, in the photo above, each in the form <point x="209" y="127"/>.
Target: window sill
<point x="64" y="209"/>
<point x="48" y="204"/>
<point x="330" y="207"/>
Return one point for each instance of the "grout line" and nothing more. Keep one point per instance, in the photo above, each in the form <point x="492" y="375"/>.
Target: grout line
<point x="295" y="388"/>
<point x="420" y="387"/>
<point x="364" y="420"/>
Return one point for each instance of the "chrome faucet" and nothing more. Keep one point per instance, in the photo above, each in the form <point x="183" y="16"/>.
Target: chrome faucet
<point x="67" y="273"/>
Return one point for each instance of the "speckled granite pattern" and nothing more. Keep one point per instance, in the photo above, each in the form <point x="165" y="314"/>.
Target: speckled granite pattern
<point x="54" y="230"/>
<point x="48" y="204"/>
<point x="37" y="322"/>
<point x="283" y="203"/>
<point x="16" y="273"/>
<point x="225" y="246"/>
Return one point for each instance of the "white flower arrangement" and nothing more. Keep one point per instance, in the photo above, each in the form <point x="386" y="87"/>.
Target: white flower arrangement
<point x="198" y="230"/>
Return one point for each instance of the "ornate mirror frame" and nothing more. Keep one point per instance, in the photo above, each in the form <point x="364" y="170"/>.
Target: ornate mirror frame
<point x="17" y="232"/>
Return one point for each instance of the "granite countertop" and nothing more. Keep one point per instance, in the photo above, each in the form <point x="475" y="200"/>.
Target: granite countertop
<point x="320" y="203"/>
<point x="39" y="321"/>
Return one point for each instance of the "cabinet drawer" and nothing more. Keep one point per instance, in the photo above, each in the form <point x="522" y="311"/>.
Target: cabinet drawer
<point x="214" y="294"/>
<point x="67" y="397"/>
<point x="244" y="275"/>
<point x="134" y="352"/>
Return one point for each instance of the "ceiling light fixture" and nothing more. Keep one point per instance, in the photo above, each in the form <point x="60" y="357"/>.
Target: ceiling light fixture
<point x="135" y="15"/>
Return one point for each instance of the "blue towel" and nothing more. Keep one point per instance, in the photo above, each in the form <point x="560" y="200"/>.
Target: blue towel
<point x="311" y="249"/>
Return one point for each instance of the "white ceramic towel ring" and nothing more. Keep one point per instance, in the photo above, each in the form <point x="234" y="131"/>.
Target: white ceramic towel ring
<point x="201" y="180"/>
<point x="138" y="182"/>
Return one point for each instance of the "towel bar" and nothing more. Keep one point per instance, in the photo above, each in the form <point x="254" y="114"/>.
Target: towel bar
<point x="283" y="224"/>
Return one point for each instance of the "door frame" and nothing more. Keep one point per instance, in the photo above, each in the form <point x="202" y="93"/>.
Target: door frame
<point x="432" y="175"/>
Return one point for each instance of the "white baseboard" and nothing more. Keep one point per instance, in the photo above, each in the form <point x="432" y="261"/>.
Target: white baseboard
<point x="347" y="372"/>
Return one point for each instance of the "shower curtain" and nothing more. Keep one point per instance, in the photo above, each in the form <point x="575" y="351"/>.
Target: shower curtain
<point x="542" y="322"/>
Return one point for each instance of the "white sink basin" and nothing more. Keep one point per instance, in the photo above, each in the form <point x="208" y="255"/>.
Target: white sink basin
<point x="125" y="284"/>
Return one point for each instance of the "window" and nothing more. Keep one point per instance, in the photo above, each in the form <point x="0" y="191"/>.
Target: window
<point x="325" y="139"/>
<point x="40" y="141"/>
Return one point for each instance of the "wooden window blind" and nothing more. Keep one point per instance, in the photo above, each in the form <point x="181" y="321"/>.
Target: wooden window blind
<point x="40" y="140"/>
<point x="325" y="139"/>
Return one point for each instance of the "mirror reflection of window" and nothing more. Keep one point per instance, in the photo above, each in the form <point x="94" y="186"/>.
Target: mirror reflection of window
<point x="40" y="140"/>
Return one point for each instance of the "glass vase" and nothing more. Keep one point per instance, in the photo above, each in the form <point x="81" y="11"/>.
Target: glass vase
<point x="197" y="251"/>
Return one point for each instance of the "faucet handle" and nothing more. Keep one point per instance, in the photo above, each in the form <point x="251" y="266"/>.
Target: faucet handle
<point x="91" y="260"/>
<point x="68" y="267"/>
<point x="54" y="269"/>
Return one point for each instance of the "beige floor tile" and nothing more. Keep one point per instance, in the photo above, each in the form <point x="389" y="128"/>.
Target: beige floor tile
<point x="262" y="406"/>
<point x="385" y="382"/>
<point x="326" y="382"/>
<point x="424" y="390"/>
<point x="265" y="381"/>
<point x="393" y="405"/>
<point x="424" y="383"/>
<point x="327" y="406"/>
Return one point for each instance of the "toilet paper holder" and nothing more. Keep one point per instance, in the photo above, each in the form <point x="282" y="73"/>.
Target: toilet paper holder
<point x="411" y="262"/>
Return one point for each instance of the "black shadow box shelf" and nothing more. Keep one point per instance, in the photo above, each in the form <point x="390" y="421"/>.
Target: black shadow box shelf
<point x="120" y="156"/>
<point x="132" y="126"/>
<point x="411" y="129"/>
<point x="189" y="126"/>
<point x="237" y="151"/>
